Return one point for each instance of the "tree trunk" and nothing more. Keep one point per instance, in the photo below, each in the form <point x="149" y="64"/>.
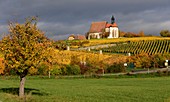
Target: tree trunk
<point x="21" y="88"/>
<point x="49" y="74"/>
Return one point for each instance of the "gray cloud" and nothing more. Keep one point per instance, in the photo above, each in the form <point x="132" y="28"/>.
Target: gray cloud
<point x="150" y="21"/>
<point x="58" y="18"/>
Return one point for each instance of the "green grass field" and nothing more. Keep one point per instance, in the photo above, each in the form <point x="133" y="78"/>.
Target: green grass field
<point x="88" y="90"/>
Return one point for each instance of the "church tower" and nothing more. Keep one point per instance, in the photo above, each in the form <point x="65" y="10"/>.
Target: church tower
<point x="112" y="20"/>
<point x="114" y="31"/>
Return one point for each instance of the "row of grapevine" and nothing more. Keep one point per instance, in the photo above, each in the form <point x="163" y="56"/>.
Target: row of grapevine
<point x="149" y="46"/>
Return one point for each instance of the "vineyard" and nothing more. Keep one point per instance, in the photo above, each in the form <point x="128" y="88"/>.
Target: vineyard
<point x="112" y="41"/>
<point x="150" y="47"/>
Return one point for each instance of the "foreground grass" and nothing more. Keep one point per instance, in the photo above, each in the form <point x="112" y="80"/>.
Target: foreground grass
<point x="88" y="90"/>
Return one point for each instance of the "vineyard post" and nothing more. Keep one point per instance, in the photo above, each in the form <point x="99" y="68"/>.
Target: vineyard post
<point x="129" y="54"/>
<point x="89" y="49"/>
<point x="148" y="70"/>
<point x="166" y="63"/>
<point x="125" y="65"/>
<point x="100" y="52"/>
<point x="68" y="48"/>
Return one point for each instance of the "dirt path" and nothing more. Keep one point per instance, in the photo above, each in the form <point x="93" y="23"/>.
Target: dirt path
<point x="94" y="47"/>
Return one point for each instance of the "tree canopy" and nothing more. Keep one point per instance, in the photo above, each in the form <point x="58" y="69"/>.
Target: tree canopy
<point x="24" y="48"/>
<point x="165" y="33"/>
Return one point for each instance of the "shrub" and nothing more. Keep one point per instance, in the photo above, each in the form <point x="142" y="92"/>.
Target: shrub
<point x="73" y="69"/>
<point x="8" y="71"/>
<point x="63" y="70"/>
<point x="56" y="70"/>
<point x="165" y="33"/>
<point x="42" y="69"/>
<point x="116" y="67"/>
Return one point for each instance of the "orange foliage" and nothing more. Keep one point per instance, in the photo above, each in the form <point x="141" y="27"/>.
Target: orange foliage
<point x="116" y="59"/>
<point x="89" y="58"/>
<point x="2" y="66"/>
<point x="33" y="71"/>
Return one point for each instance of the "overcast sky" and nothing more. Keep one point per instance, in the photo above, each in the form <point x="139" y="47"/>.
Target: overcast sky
<point x="58" y="18"/>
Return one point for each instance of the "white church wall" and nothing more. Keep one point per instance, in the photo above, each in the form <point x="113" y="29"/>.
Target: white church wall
<point x="107" y="30"/>
<point x="94" y="35"/>
<point x="114" y="32"/>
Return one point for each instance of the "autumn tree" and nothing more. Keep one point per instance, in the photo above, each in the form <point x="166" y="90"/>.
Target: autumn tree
<point x="159" y="60"/>
<point x="50" y="59"/>
<point x="2" y="66"/>
<point x="165" y="33"/>
<point x="141" y="34"/>
<point x="122" y="33"/>
<point x="141" y="60"/>
<point x="24" y="48"/>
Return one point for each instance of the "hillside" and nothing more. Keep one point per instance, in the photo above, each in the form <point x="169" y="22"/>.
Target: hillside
<point x="149" y="46"/>
<point x="138" y="45"/>
<point x="116" y="40"/>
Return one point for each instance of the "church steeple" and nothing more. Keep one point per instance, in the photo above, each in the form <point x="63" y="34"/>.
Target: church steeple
<point x="112" y="20"/>
<point x="114" y="30"/>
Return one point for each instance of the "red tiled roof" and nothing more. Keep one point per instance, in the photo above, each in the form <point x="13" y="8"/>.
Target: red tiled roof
<point x="108" y="25"/>
<point x="80" y="37"/>
<point x="114" y="25"/>
<point x="72" y="35"/>
<point x="97" y="26"/>
<point x="111" y="25"/>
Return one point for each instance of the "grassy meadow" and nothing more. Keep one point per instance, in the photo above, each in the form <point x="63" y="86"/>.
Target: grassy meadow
<point x="42" y="89"/>
<point x="88" y="90"/>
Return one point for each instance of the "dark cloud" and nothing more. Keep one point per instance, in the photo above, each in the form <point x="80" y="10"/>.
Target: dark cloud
<point x="63" y="17"/>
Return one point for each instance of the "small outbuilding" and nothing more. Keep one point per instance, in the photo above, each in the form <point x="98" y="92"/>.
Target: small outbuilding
<point x="76" y="37"/>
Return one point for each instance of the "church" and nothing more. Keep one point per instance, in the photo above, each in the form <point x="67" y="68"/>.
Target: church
<point x="103" y="29"/>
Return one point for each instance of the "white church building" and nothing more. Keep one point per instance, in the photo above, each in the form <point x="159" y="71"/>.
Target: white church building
<point x="98" y="28"/>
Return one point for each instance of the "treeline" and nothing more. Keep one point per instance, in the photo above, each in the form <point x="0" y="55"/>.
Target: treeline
<point x="70" y="63"/>
<point x="62" y="44"/>
<point x="165" y="33"/>
<point x="131" y="34"/>
<point x="76" y="63"/>
<point x="149" y="61"/>
<point x="139" y="61"/>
